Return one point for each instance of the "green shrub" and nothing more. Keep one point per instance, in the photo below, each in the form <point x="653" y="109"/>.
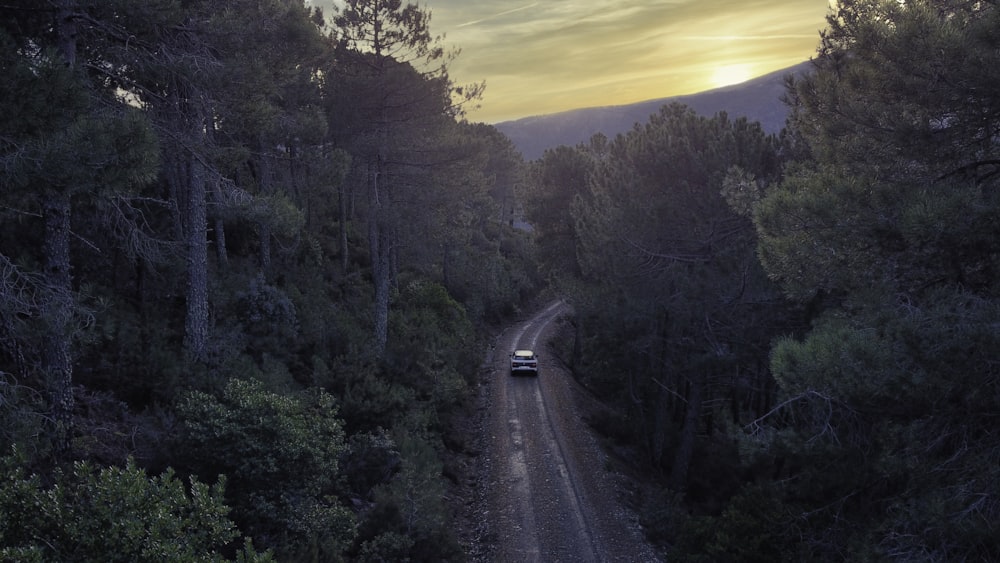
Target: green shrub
<point x="269" y="318"/>
<point x="409" y="520"/>
<point x="372" y="400"/>
<point x="369" y="460"/>
<point x="280" y="453"/>
<point x="112" y="514"/>
<point x="388" y="546"/>
<point x="753" y="527"/>
<point x="430" y="333"/>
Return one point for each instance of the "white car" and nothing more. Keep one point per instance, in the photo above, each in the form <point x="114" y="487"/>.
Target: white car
<point x="523" y="362"/>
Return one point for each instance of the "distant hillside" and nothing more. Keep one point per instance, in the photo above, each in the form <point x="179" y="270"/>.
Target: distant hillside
<point x="758" y="100"/>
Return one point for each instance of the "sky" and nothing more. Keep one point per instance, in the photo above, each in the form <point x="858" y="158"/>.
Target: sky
<point x="541" y="57"/>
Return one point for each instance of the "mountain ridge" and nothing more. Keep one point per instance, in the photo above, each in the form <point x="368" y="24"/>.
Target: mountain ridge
<point x="758" y="99"/>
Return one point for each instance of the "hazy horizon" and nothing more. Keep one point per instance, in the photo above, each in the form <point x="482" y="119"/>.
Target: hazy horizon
<point x="541" y="58"/>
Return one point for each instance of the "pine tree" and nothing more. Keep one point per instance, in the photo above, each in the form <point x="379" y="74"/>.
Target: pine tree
<point x="678" y="288"/>
<point x="69" y="143"/>
<point x="891" y="237"/>
<point x="390" y="62"/>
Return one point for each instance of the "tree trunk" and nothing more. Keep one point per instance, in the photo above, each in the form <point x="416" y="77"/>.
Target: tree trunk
<point x="661" y="424"/>
<point x="381" y="270"/>
<point x="67" y="31"/>
<point x="344" y="261"/>
<point x="219" y="228"/>
<point x="446" y="266"/>
<point x="689" y="433"/>
<point x="578" y="335"/>
<point x="196" y="322"/>
<point x="267" y="183"/>
<point x="221" y="254"/>
<point x="57" y="311"/>
<point x="264" y="230"/>
<point x="380" y="249"/>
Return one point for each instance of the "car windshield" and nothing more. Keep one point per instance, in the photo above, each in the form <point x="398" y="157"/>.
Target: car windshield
<point x="524" y="355"/>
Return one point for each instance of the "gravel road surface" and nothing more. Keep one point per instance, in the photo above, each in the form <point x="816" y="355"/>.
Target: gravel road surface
<point x="544" y="490"/>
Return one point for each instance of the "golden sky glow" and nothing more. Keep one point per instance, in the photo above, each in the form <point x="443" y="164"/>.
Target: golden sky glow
<point x="540" y="57"/>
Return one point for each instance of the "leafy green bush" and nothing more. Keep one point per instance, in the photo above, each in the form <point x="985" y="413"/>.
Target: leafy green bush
<point x="752" y="527"/>
<point x="372" y="399"/>
<point x="268" y="316"/>
<point x="409" y="520"/>
<point x="280" y="453"/>
<point x="430" y="331"/>
<point x="369" y="460"/>
<point x="112" y="514"/>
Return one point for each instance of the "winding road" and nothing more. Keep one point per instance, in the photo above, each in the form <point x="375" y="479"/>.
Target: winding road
<point x="550" y="494"/>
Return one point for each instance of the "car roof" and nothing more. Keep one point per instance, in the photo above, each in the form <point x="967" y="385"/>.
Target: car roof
<point x="523" y="353"/>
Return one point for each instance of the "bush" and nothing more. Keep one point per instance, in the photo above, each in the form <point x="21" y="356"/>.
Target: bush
<point x="112" y="514"/>
<point x="409" y="520"/>
<point x="281" y="454"/>
<point x="753" y="527"/>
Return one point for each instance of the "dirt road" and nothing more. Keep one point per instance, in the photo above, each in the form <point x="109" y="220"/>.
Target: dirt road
<point x="546" y="493"/>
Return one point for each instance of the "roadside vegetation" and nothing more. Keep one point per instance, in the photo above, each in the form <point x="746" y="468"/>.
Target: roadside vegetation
<point x="799" y="332"/>
<point x="251" y="256"/>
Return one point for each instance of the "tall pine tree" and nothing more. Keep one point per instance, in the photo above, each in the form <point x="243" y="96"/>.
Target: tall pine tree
<point x="892" y="237"/>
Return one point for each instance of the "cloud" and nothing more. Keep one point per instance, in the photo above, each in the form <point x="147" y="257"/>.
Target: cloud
<point x="481" y="20"/>
<point x="553" y="55"/>
<point x="747" y="37"/>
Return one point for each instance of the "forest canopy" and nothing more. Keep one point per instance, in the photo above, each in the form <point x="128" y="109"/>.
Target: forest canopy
<point x="236" y="248"/>
<point x="251" y="256"/>
<point x="799" y="332"/>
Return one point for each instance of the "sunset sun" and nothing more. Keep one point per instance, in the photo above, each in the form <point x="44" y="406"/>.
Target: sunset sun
<point x="731" y="74"/>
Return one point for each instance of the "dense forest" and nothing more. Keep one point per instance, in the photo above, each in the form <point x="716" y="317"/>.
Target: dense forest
<point x="251" y="256"/>
<point x="800" y="332"/>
